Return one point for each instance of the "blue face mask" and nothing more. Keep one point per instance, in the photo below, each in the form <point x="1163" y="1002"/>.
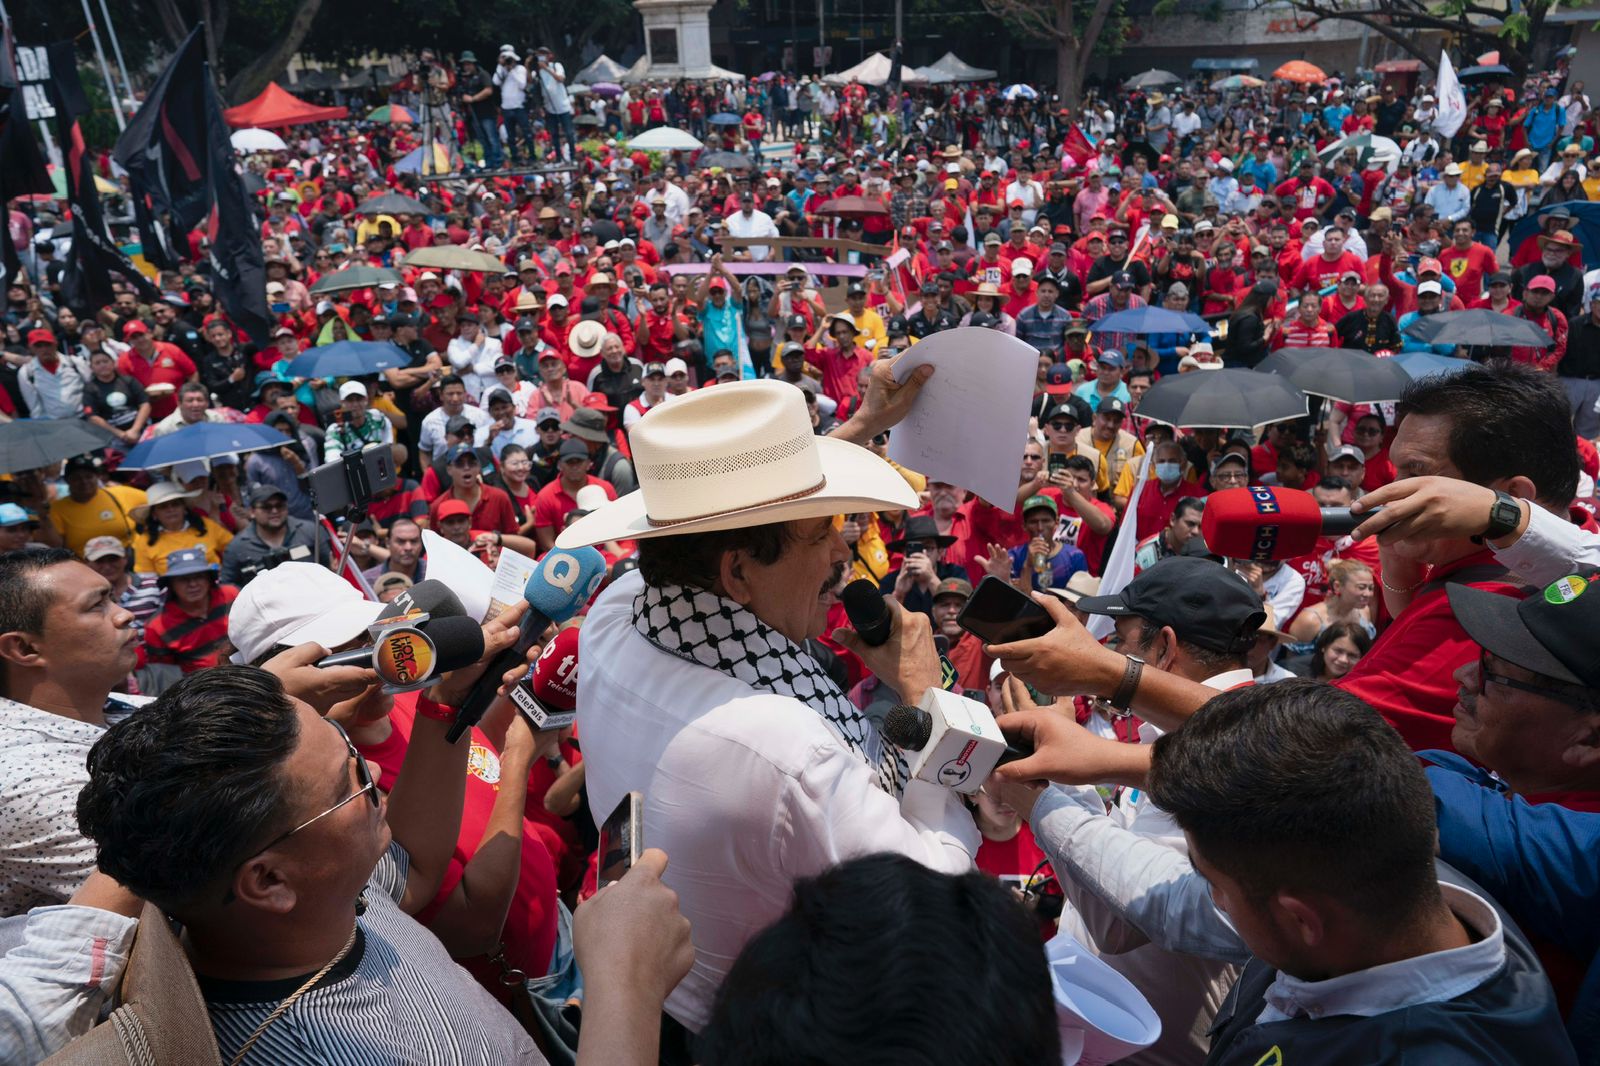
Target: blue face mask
<point x="1168" y="472"/>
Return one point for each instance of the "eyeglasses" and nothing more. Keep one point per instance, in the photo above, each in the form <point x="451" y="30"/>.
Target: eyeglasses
<point x="1230" y="477"/>
<point x="369" y="788"/>
<point x="1570" y="694"/>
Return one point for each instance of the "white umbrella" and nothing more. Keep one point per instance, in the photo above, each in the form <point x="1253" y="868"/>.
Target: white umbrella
<point x="1368" y="146"/>
<point x="253" y="140"/>
<point x="1019" y="91"/>
<point x="665" y="139"/>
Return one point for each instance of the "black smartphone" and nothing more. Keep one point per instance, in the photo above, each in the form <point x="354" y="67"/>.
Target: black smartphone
<point x="330" y="488"/>
<point x="621" y="839"/>
<point x="999" y="613"/>
<point x="1057" y="462"/>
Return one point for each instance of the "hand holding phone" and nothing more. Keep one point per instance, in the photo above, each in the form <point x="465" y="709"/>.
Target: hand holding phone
<point x="998" y="613"/>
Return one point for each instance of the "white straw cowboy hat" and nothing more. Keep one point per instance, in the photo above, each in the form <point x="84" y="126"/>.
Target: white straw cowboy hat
<point x="586" y="338"/>
<point x="740" y="454"/>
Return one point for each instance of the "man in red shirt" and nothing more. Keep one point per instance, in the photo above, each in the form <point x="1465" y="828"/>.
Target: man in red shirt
<point x="1334" y="490"/>
<point x="155" y="363"/>
<point x="552" y="503"/>
<point x="1409" y="674"/>
<point x="1309" y="193"/>
<point x="489" y="507"/>
<point x="1169" y="482"/>
<point x="1321" y="271"/>
<point x="840" y="361"/>
<point x="1467" y="261"/>
<point x="966" y="651"/>
<point x="191" y="632"/>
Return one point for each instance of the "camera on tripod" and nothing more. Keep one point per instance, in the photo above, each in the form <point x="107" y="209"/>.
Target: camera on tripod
<point x="349" y="483"/>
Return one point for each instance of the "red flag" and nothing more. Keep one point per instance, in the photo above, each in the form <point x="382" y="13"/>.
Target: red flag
<point x="1078" y="145"/>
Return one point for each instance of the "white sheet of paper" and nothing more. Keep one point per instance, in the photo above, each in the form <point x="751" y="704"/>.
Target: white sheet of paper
<point x="970" y="422"/>
<point x="464" y="572"/>
<point x="511" y="573"/>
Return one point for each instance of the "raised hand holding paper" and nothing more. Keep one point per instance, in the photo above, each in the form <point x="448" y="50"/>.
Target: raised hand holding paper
<point x="984" y="385"/>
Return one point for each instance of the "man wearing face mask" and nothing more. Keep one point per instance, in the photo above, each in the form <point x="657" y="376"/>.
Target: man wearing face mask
<point x="1169" y="482"/>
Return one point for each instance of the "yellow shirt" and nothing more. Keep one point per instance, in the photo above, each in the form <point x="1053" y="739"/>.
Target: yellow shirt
<point x="1472" y="174"/>
<point x="869" y="324"/>
<point x="152" y="558"/>
<point x="1102" y="478"/>
<point x="1117" y="462"/>
<point x="106" y="514"/>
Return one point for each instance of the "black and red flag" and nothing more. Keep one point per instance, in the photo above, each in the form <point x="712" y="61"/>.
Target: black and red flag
<point x="22" y="165"/>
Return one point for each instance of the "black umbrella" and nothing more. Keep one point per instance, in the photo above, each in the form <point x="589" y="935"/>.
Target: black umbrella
<point x="1222" y="399"/>
<point x="1339" y="373"/>
<point x="392" y="203"/>
<point x="1484" y="73"/>
<point x="355" y="277"/>
<point x="726" y="160"/>
<point x="29" y="443"/>
<point x="1481" y="327"/>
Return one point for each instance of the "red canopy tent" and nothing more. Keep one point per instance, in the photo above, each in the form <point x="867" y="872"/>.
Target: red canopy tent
<point x="277" y="107"/>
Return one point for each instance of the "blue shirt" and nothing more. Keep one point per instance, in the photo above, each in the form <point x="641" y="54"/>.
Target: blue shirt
<point x="1542" y="124"/>
<point x="1090" y="393"/>
<point x="1266" y="174"/>
<point x="1541" y="862"/>
<point x="722" y="331"/>
<point x="1041" y="330"/>
<point x="1067" y="561"/>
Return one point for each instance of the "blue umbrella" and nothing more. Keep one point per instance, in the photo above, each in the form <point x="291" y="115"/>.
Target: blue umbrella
<point x="724" y="118"/>
<point x="1585" y="226"/>
<point x="203" y="440"/>
<point x="349" y="359"/>
<point x="1421" y="364"/>
<point x="1151" y="320"/>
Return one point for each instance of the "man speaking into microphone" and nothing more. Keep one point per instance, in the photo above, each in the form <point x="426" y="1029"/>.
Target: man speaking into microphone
<point x="694" y="687"/>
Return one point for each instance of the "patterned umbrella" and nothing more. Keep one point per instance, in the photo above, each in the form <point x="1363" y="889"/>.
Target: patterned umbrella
<point x="392" y="113"/>
<point x="1300" y="72"/>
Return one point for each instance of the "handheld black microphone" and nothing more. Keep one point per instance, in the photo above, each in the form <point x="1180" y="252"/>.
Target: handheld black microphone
<point x="408" y="657"/>
<point x="432" y="598"/>
<point x="868" y="614"/>
<point x="557" y="589"/>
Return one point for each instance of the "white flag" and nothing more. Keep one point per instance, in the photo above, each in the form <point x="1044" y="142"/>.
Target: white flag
<point x="1119" y="567"/>
<point x="1452" y="102"/>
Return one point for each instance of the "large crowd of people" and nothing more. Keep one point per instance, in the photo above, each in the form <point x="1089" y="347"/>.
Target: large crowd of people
<point x="1340" y="806"/>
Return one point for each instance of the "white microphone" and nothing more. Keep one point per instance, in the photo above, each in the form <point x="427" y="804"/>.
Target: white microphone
<point x="954" y="740"/>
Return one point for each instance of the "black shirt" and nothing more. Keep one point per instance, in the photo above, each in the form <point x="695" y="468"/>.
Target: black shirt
<point x="216" y="369"/>
<point x="923" y="324"/>
<point x="1105" y="266"/>
<point x="1583" y="350"/>
<point x="471" y="85"/>
<point x="117" y="401"/>
<point x="1355" y="331"/>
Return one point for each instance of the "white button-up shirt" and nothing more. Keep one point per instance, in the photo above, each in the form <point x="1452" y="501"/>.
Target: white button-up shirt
<point x="756" y="224"/>
<point x="745" y="791"/>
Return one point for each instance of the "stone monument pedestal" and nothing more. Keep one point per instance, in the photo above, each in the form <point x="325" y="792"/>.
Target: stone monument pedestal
<point x="677" y="36"/>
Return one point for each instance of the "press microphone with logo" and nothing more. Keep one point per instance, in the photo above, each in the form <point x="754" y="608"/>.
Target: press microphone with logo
<point x="557" y="589"/>
<point x="421" y="604"/>
<point x="955" y="740"/>
<point x="1263" y="523"/>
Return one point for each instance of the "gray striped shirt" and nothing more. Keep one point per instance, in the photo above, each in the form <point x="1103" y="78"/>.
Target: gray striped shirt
<point x="397" y="998"/>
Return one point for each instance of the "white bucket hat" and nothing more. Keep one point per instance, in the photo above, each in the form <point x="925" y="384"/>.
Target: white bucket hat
<point x="159" y="493"/>
<point x="741" y="454"/>
<point x="586" y="338"/>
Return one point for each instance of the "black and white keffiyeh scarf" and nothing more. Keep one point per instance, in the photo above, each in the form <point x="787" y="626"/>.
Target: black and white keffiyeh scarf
<point x="709" y="630"/>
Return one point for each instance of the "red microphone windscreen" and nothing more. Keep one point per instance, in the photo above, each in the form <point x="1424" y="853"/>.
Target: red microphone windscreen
<point x="1261" y="522"/>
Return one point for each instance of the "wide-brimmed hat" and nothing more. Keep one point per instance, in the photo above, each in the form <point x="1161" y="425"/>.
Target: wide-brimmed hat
<point x="586" y="338"/>
<point x="920" y="529"/>
<point x="159" y="493"/>
<point x="741" y="454"/>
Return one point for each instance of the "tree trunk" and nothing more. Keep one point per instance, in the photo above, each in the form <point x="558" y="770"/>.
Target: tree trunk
<point x="275" y="60"/>
<point x="1086" y="47"/>
<point x="173" y="24"/>
<point x="1069" y="71"/>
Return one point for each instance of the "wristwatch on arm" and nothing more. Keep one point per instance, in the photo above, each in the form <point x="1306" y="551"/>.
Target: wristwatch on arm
<point x="1505" y="515"/>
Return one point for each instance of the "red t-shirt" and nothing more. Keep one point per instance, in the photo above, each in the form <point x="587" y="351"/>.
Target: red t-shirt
<point x="529" y="933"/>
<point x="552" y="504"/>
<point x="840" y="370"/>
<point x="1304" y="195"/>
<point x="1314" y="567"/>
<point x="1317" y="273"/>
<point x="1154" y="509"/>
<point x="1407" y="674"/>
<point x="494" y="513"/>
<point x="1075" y="531"/>
<point x="1469" y="268"/>
<point x="169" y="367"/>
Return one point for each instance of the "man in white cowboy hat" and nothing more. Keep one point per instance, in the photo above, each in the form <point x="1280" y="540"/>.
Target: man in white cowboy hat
<point x="695" y="686"/>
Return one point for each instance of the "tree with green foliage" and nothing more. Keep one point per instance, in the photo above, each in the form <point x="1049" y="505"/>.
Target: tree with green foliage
<point x="1074" y="27"/>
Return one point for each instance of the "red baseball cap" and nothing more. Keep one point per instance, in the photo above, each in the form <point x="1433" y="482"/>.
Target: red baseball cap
<point x="1542" y="281"/>
<point x="451" y="508"/>
<point x="134" y="328"/>
<point x="41" y="336"/>
<point x="1429" y="266"/>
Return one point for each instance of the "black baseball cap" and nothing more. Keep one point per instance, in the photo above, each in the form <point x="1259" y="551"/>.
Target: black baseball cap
<point x="1204" y="602"/>
<point x="260" y="494"/>
<point x="1551" y="632"/>
<point x="795" y="322"/>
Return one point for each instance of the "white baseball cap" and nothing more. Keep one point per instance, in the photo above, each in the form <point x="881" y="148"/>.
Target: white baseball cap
<point x="300" y="603"/>
<point x="1428" y="287"/>
<point x="676" y="366"/>
<point x="352" y="388"/>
